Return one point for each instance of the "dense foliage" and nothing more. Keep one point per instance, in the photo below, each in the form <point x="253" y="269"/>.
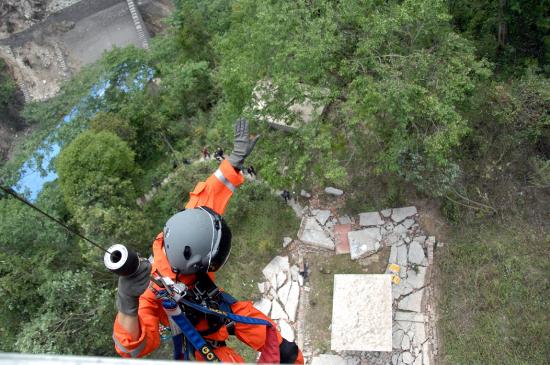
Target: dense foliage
<point x="448" y="101"/>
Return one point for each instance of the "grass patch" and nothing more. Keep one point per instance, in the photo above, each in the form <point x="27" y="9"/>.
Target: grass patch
<point x="494" y="290"/>
<point x="321" y="281"/>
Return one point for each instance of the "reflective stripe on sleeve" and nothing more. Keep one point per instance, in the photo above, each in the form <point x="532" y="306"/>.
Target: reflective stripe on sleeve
<point x="133" y="353"/>
<point x="227" y="183"/>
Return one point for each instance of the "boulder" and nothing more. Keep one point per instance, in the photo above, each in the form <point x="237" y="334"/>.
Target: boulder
<point x="400" y="214"/>
<point x="333" y="191"/>
<point x="370" y="219"/>
<point x="364" y="242"/>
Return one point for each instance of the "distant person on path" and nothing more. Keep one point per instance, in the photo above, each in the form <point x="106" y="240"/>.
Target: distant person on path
<point x="218" y="155"/>
<point x="205" y="153"/>
<point x="286" y="195"/>
<point x="251" y="171"/>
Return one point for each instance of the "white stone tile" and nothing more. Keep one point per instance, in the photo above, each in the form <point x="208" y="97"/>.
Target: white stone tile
<point x="362" y="313"/>
<point x="370" y="219"/>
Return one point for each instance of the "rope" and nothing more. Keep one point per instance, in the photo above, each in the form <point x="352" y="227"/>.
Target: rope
<point x="11" y="192"/>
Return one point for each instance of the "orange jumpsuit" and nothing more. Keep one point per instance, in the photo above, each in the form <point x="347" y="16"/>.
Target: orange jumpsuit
<point x="214" y="193"/>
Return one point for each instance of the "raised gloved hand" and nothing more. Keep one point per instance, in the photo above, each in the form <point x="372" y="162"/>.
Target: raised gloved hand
<point x="131" y="287"/>
<point x="243" y="145"/>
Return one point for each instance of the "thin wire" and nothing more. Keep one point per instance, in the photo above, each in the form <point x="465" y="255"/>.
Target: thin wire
<point x="11" y="192"/>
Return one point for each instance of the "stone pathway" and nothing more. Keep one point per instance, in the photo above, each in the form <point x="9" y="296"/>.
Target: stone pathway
<point x="411" y="255"/>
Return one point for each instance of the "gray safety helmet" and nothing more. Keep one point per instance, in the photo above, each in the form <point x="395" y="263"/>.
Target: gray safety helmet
<point x="196" y="240"/>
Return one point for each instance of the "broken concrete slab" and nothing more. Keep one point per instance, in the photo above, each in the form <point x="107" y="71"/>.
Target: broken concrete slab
<point x="416" y="254"/>
<point x="364" y="242"/>
<point x="400" y="214"/>
<point x="345" y="219"/>
<point x="277" y="311"/>
<point x="409" y="317"/>
<point x="291" y="305"/>
<point x="313" y="234"/>
<point x="362" y="313"/>
<point x="386" y="213"/>
<point x="402" y="256"/>
<point x="286" y="330"/>
<point x="278" y="264"/>
<point x="412" y="302"/>
<point x="341" y="237"/>
<point x="264" y="306"/>
<point x="321" y="215"/>
<point x="415" y="278"/>
<point x="286" y="241"/>
<point x="370" y="219"/>
<point x="282" y="293"/>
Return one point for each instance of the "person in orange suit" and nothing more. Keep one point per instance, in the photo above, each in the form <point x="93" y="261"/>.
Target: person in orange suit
<point x="194" y="244"/>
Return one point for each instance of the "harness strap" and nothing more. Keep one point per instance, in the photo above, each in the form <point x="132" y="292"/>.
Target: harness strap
<point x="223" y="314"/>
<point x="195" y="338"/>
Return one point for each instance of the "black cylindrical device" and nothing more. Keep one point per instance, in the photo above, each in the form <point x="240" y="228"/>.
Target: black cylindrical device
<point x="121" y="260"/>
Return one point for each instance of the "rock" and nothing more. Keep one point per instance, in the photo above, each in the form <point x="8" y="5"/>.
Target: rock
<point x="370" y="219"/>
<point x="345" y="219"/>
<point x="418" y="360"/>
<point x="407" y="358"/>
<point x="264" y="306"/>
<point x="277" y="311"/>
<point x="333" y="191"/>
<point x="402" y="256"/>
<point x="321" y="215"/>
<point x="416" y="254"/>
<point x="416" y="278"/>
<point x="291" y="305"/>
<point x="393" y="255"/>
<point x="412" y="302"/>
<point x="282" y="293"/>
<point x="262" y="287"/>
<point x="278" y="264"/>
<point x="399" y="214"/>
<point x="286" y="241"/>
<point x="364" y="242"/>
<point x="409" y="316"/>
<point x="408" y="223"/>
<point x="361" y="313"/>
<point x="386" y="213"/>
<point x="305" y="194"/>
<point x="313" y="234"/>
<point x="405" y="343"/>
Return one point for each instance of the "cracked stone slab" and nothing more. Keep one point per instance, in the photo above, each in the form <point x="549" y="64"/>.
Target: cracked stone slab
<point x="286" y="330"/>
<point x="264" y="306"/>
<point x="386" y="213"/>
<point x="312" y="233"/>
<point x="321" y="215"/>
<point x="345" y="219"/>
<point x="362" y="313"/>
<point x="416" y="278"/>
<point x="400" y="214"/>
<point x="364" y="242"/>
<point x="412" y="302"/>
<point x="416" y="254"/>
<point x="370" y="219"/>
<point x="276" y="265"/>
<point x="328" y="359"/>
<point x="293" y="300"/>
<point x="409" y="317"/>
